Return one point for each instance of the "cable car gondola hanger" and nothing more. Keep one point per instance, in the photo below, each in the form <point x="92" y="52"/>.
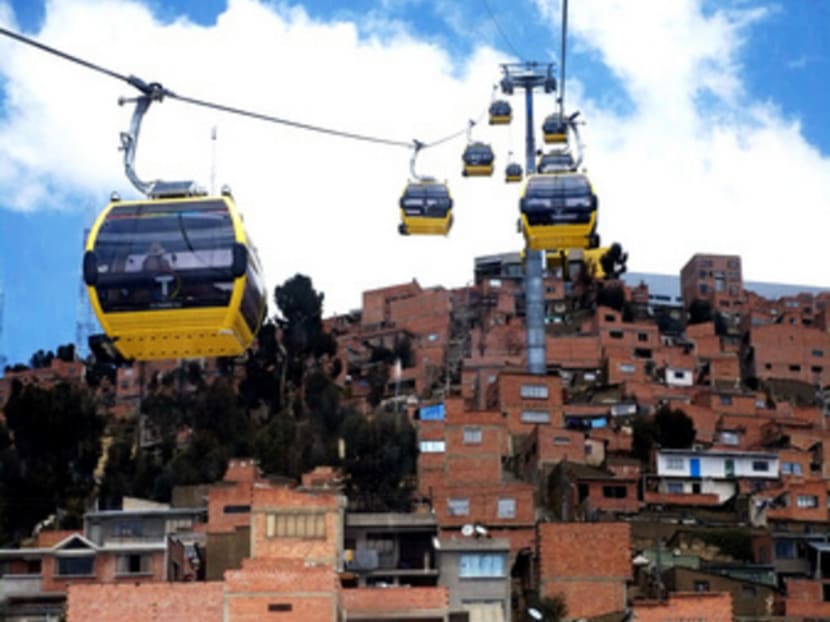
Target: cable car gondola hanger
<point x="173" y="275"/>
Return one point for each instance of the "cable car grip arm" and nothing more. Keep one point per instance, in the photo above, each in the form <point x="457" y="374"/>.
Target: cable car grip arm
<point x="129" y="140"/>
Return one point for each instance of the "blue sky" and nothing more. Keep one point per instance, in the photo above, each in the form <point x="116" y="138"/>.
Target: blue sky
<point x="697" y="113"/>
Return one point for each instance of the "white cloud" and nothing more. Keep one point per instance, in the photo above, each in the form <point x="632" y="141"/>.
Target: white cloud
<point x="674" y="176"/>
<point x="314" y="204"/>
<point x="696" y="165"/>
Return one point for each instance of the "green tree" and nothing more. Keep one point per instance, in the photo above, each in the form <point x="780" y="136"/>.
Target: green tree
<point x="669" y="428"/>
<point x="380" y="459"/>
<point x="56" y="445"/>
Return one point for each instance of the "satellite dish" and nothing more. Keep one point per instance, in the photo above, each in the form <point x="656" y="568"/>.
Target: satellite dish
<point x="480" y="530"/>
<point x="468" y="530"/>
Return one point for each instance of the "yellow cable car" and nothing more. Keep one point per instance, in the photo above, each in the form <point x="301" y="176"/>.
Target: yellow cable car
<point x="513" y="172"/>
<point x="500" y="112"/>
<point x="174" y="276"/>
<point x="559" y="212"/>
<point x="478" y="160"/>
<point x="426" y="208"/>
<point x="555" y="129"/>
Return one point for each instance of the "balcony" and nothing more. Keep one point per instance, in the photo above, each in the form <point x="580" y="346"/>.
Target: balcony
<point x="20" y="585"/>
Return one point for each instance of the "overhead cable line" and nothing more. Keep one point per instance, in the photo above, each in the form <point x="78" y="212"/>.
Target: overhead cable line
<point x="501" y="31"/>
<point x="157" y="92"/>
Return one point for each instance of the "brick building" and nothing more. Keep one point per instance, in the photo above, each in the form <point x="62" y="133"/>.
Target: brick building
<point x="716" y="279"/>
<point x="592" y="580"/>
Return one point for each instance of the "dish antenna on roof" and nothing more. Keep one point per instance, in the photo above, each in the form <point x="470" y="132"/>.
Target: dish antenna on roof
<point x="468" y="530"/>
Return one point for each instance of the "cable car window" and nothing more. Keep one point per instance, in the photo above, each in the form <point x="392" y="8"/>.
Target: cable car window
<point x="553" y="162"/>
<point x="426" y="200"/>
<point x="165" y="255"/>
<point x="553" y="199"/>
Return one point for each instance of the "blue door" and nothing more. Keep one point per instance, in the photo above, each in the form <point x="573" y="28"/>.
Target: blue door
<point x="694" y="464"/>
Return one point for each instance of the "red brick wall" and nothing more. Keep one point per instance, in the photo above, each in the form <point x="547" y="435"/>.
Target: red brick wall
<point x="160" y="602"/>
<point x="105" y="572"/>
<point x="511" y="402"/>
<point x="415" y="601"/>
<point x="304" y="593"/>
<point x="228" y="494"/>
<point x="483" y="504"/>
<point x="281" y="499"/>
<point x="599" y="501"/>
<point x="805" y="598"/>
<point x="787" y="351"/>
<point x="593" y="582"/>
<point x="698" y="606"/>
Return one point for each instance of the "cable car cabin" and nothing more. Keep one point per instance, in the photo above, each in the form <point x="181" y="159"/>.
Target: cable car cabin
<point x="174" y="278"/>
<point x="555" y="129"/>
<point x="556" y="162"/>
<point x="513" y="172"/>
<point x="426" y="208"/>
<point x="500" y="112"/>
<point x="478" y="160"/>
<point x="559" y="212"/>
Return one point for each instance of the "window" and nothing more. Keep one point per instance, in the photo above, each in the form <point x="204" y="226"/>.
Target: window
<point x="675" y="488"/>
<point x="296" y="525"/>
<point x="675" y="463"/>
<point x="679" y="375"/>
<point x="76" y="566"/>
<point x="533" y="392"/>
<point x="704" y="288"/>
<point x="825" y="592"/>
<point x="614" y="492"/>
<point x="791" y="468"/>
<point x="761" y="466"/>
<point x="729" y="438"/>
<point x="615" y="334"/>
<point x="507" y="508"/>
<point x="458" y="506"/>
<point x="818" y="353"/>
<point x="127" y="529"/>
<point x="816" y="369"/>
<point x="795" y="367"/>
<point x="133" y="563"/>
<point x="481" y="565"/>
<point x="535" y="416"/>
<point x="432" y="447"/>
<point x="609" y="317"/>
<point x="725" y="400"/>
<point x="561" y="440"/>
<point x="236" y="509"/>
<point x="627" y="368"/>
<point x="785" y="549"/>
<point x="280" y="607"/>
<point x="806" y="501"/>
<point x="701" y="586"/>
<point x="472" y="435"/>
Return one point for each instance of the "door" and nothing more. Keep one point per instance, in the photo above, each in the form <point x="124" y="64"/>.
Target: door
<point x="694" y="464"/>
<point x="729" y="467"/>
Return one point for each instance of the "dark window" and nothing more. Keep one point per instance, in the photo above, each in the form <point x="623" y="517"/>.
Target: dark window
<point x="610" y="318"/>
<point x="280" y="607"/>
<point x="237" y="509"/>
<point x="642" y="336"/>
<point x="795" y="368"/>
<point x="825" y="592"/>
<point x="816" y="369"/>
<point x="703" y="288"/>
<point x="760" y="465"/>
<point x="78" y="566"/>
<point x="615" y="334"/>
<point x="614" y="492"/>
<point x="725" y="400"/>
<point x="165" y="255"/>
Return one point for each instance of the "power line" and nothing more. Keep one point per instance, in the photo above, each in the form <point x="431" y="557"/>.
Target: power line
<point x="501" y="31"/>
<point x="157" y="92"/>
